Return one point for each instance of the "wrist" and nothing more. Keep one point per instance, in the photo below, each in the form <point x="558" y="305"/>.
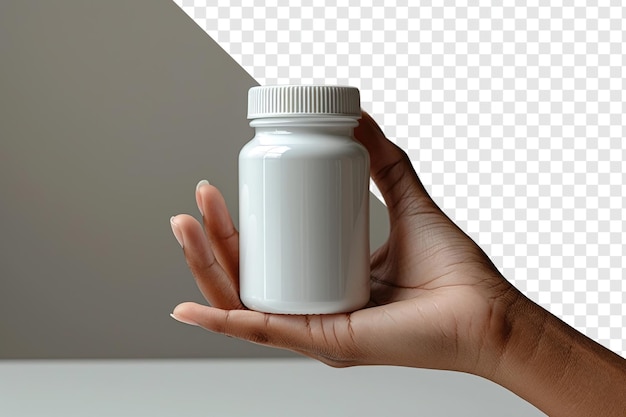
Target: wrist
<point x="501" y="332"/>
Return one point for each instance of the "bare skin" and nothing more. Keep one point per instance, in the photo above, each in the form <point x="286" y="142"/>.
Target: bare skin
<point x="437" y="302"/>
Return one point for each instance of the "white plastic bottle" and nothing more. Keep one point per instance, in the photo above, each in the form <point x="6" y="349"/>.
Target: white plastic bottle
<point x="304" y="202"/>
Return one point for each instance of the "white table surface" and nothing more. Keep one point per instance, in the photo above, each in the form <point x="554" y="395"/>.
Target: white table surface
<point x="244" y="387"/>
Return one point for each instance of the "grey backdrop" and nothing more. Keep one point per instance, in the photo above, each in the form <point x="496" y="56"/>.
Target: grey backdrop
<point x="110" y="112"/>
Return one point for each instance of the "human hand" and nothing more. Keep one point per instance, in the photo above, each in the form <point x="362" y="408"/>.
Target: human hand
<point x="437" y="301"/>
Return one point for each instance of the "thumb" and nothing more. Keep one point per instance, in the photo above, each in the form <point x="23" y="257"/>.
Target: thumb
<point x="392" y="171"/>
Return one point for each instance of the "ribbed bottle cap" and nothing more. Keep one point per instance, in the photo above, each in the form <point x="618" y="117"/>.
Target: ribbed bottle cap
<point x="303" y="100"/>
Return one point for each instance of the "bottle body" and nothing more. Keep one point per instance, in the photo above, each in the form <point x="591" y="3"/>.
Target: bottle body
<point x="304" y="217"/>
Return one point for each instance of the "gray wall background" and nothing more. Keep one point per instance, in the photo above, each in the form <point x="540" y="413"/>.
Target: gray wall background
<point x="110" y="112"/>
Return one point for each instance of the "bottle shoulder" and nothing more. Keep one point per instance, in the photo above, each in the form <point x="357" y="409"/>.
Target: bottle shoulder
<point x="302" y="146"/>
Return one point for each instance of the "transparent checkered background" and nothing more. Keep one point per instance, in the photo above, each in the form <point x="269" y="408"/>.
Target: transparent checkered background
<point x="512" y="115"/>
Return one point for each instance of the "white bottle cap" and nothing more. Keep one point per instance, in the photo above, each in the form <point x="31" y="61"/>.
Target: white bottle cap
<point x="303" y="100"/>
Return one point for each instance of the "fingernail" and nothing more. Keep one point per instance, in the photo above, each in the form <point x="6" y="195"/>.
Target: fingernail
<point x="198" y="197"/>
<point x="176" y="230"/>
<point x="201" y="183"/>
<point x="186" y="321"/>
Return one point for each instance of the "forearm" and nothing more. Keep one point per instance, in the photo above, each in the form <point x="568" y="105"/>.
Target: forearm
<point x="558" y="369"/>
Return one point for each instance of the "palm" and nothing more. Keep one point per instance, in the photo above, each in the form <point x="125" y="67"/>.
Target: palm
<point x="434" y="283"/>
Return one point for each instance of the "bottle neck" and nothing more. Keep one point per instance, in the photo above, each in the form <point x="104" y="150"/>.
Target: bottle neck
<point x="325" y="125"/>
<point x="271" y="129"/>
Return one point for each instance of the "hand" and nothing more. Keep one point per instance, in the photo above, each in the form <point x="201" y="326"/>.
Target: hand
<point x="437" y="301"/>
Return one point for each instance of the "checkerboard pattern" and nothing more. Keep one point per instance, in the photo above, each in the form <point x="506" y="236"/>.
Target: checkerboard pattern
<point x="512" y="115"/>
